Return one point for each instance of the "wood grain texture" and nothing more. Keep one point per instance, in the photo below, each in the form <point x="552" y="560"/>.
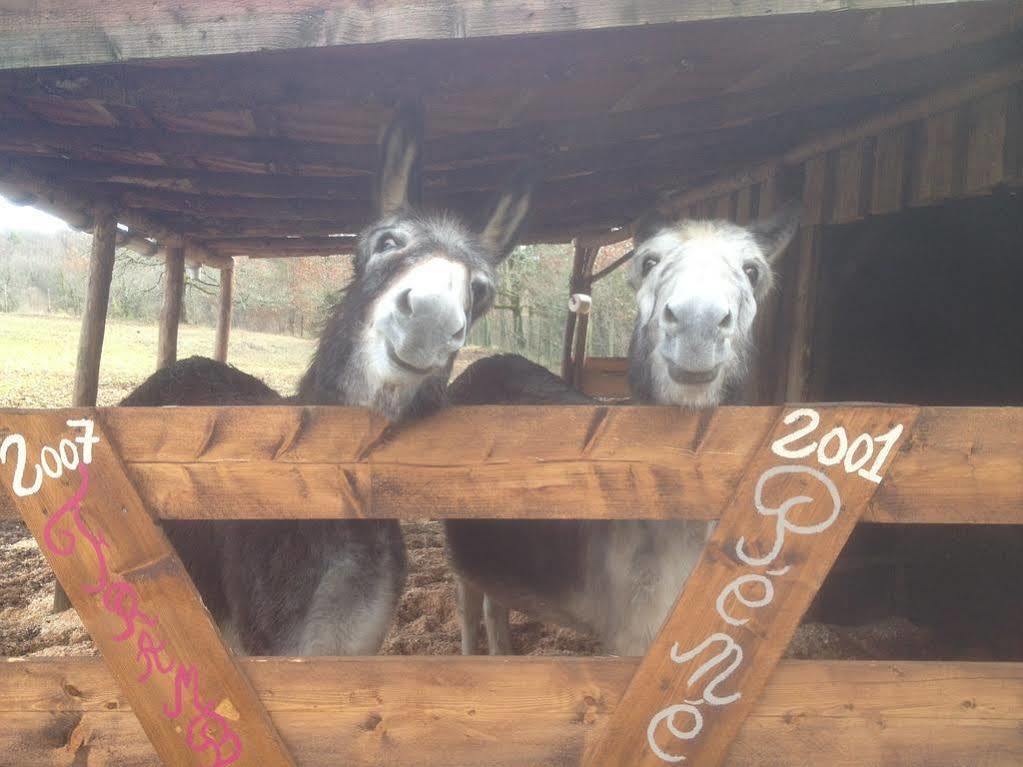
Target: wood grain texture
<point x="890" y="124"/>
<point x="891" y="167"/>
<point x="606" y="377"/>
<point x="94" y="318"/>
<point x="985" y="151"/>
<point x="756" y="633"/>
<point x="224" y="307"/>
<point x="55" y="33"/>
<point x="510" y="712"/>
<point x="941" y="158"/>
<point x="132" y="592"/>
<point x="170" y="310"/>
<point x="800" y="312"/>
<point x="963" y="465"/>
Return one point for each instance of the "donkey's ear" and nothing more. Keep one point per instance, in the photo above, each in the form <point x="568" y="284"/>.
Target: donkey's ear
<point x="649" y="224"/>
<point x="504" y="226"/>
<point x="774" y="234"/>
<point x="401" y="149"/>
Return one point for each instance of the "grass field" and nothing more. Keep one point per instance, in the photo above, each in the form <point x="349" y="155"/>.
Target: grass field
<point x="38" y="353"/>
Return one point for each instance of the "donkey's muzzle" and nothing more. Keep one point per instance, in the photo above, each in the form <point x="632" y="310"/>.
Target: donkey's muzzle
<point x="425" y="329"/>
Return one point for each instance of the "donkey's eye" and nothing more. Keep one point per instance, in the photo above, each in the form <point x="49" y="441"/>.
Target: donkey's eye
<point x="753" y="273"/>
<point x="649" y="263"/>
<point x="480" y="290"/>
<point x="387" y="242"/>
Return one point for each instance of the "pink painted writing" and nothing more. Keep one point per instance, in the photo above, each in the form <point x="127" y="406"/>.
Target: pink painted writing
<point x="207" y="731"/>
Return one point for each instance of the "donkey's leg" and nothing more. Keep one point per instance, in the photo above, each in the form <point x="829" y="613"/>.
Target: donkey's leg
<point x="362" y="577"/>
<point x="470" y="610"/>
<point x="498" y="623"/>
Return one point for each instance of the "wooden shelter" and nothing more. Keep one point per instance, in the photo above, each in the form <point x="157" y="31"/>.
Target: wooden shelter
<point x="210" y="131"/>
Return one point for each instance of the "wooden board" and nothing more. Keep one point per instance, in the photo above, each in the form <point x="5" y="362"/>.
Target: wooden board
<point x="792" y="512"/>
<point x="606" y="377"/>
<point x="133" y="595"/>
<point x="510" y="712"/>
<point x="53" y="32"/>
<point x="985" y="151"/>
<point x="962" y="465"/>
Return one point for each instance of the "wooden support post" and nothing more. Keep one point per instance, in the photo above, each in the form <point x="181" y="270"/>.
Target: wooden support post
<point x="803" y="307"/>
<point x="170" y="314"/>
<point x="574" y="354"/>
<point x="582" y="327"/>
<point x="94" y="322"/>
<point x="801" y="303"/>
<point x="224" y="317"/>
<point x="135" y="597"/>
<point x="757" y="576"/>
<point x="566" y="349"/>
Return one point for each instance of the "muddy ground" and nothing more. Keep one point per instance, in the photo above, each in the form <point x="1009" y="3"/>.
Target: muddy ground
<point x="426" y="623"/>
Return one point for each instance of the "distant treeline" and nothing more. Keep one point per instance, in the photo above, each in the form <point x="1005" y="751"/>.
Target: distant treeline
<point x="47" y="273"/>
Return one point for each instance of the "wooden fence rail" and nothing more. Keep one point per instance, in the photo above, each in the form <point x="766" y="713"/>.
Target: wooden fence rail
<point x="536" y="711"/>
<point x="961" y="465"/>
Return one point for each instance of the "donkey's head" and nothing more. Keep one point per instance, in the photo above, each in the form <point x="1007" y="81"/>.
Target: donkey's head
<point x="420" y="282"/>
<point x="697" y="285"/>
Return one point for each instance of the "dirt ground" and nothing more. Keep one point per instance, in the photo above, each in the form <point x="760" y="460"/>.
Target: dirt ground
<point x="426" y="622"/>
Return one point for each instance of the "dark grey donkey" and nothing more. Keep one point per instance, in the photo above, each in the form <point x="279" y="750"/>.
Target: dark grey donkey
<point x="697" y="285"/>
<point x="331" y="587"/>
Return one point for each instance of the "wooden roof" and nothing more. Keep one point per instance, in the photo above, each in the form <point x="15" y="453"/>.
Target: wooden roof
<point x="237" y="152"/>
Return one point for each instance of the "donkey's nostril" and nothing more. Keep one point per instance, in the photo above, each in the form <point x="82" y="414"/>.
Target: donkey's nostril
<point x="404" y="302"/>
<point x="726" y="322"/>
<point x="669" y="315"/>
<point x="459" y="334"/>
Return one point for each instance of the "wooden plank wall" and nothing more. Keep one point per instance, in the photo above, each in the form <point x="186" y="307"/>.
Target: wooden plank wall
<point x="510" y="712"/>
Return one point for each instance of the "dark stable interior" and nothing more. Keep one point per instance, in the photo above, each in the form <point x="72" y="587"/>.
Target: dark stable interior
<point x="924" y="307"/>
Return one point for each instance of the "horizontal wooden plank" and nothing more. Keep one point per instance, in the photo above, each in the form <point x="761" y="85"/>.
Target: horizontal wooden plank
<point x="537" y="711"/>
<point x="55" y="32"/>
<point x="606" y="377"/>
<point x="962" y="465"/>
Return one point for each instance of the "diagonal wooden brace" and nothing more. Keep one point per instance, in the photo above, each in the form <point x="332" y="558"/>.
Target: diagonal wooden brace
<point x="796" y="504"/>
<point x="133" y="593"/>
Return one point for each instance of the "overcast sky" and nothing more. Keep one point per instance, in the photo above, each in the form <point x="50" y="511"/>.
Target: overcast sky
<point x="27" y="218"/>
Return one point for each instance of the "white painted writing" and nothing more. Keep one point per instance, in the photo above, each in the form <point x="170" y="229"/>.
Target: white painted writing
<point x="52" y="461"/>
<point x="834" y="447"/>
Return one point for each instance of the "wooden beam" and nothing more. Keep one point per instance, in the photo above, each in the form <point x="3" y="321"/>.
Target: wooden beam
<point x="349" y="213"/>
<point x="509" y="712"/>
<point x="19" y="183"/>
<point x="79" y="33"/>
<point x="170" y="312"/>
<point x="139" y="604"/>
<point x="197" y="181"/>
<point x="224" y="315"/>
<point x="961" y="466"/>
<point x="673" y="709"/>
<point x="263" y="154"/>
<point x="565" y="144"/>
<point x="278" y="247"/>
